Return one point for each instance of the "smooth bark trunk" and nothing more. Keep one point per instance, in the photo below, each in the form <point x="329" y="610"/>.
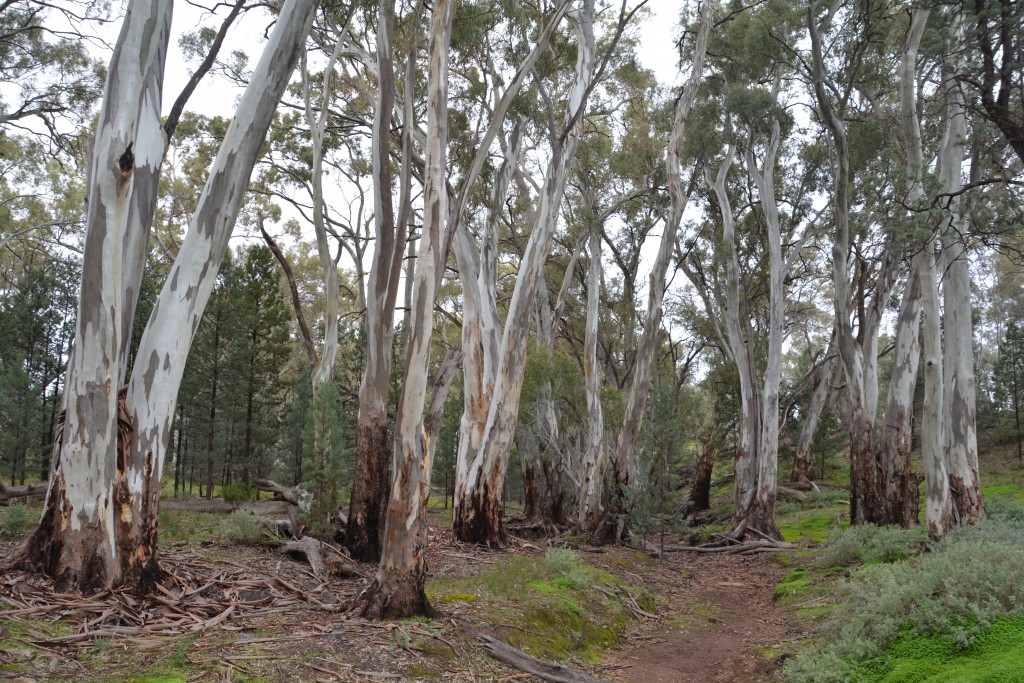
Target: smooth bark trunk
<point x="370" y="485"/>
<point x="99" y="524"/>
<point x="477" y="511"/>
<point x="398" y="591"/>
<point x="627" y="443"/>
<point x="959" y="395"/>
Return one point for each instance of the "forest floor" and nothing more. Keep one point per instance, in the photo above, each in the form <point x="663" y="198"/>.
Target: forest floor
<point x="239" y="613"/>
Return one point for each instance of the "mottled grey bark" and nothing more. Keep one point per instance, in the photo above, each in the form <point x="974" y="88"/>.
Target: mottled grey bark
<point x="100" y="522"/>
<point x="370" y="483"/>
<point x="398" y="589"/>
<point x="960" y="442"/>
<point x="478" y="492"/>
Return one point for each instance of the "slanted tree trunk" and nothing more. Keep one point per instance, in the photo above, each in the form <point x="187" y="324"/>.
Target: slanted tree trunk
<point x="477" y="510"/>
<point x="398" y="589"/>
<point x="959" y="395"/>
<point x="82" y="540"/>
<point x="370" y="484"/>
<point x="897" y="433"/>
<point x="100" y="520"/>
<point x="896" y="440"/>
<point x="623" y="460"/>
<point x="759" y="516"/>
<point x="803" y="461"/>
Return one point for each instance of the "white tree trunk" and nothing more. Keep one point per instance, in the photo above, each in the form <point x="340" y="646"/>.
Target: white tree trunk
<point x="589" y="508"/>
<point x="114" y="453"/>
<point x="478" y="496"/>
<point x="398" y="590"/>
<point x="959" y="412"/>
<point x="629" y="433"/>
<point x="322" y="368"/>
<point x="859" y="363"/>
<point x="760" y="516"/>
<point x="370" y="485"/>
<point x="91" y="502"/>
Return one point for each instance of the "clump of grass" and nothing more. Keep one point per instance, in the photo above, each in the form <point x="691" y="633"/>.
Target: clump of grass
<point x="795" y="583"/>
<point x="956" y="594"/>
<point x="17" y="520"/>
<point x="242" y="528"/>
<point x="870" y="544"/>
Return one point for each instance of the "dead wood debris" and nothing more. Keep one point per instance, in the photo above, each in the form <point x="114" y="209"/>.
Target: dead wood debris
<point x="726" y="546"/>
<point x="194" y="596"/>
<point x="556" y="673"/>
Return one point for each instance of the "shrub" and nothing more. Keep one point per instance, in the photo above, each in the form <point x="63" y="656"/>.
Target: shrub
<point x="237" y="492"/>
<point x="17" y="520"/>
<point x="243" y="528"/>
<point x="1004" y="508"/>
<point x="870" y="544"/>
<point x="956" y="593"/>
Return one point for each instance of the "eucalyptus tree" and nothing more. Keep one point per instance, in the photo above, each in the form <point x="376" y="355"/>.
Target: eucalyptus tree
<point x="851" y="55"/>
<point x="58" y="83"/>
<point x="398" y="588"/>
<point x="959" y="412"/>
<point x="370" y="485"/>
<point x="938" y="511"/>
<point x="494" y="368"/>
<point x="99" y="524"/>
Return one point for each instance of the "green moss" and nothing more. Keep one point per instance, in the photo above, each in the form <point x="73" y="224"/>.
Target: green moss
<point x="795" y="584"/>
<point x="458" y="597"/>
<point x="996" y="656"/>
<point x="814" y="524"/>
<point x="423" y="671"/>
<point x="1007" y="490"/>
<point x="550" y="603"/>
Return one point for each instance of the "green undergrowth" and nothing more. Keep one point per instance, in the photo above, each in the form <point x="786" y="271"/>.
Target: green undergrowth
<point x="996" y="655"/>
<point x="17" y="519"/>
<point x="952" y="613"/>
<point x="553" y="607"/>
<point x="181" y="525"/>
<point x="814" y="519"/>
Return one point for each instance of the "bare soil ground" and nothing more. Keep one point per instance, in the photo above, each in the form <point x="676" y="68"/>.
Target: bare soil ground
<point x="259" y="616"/>
<point x="718" y="622"/>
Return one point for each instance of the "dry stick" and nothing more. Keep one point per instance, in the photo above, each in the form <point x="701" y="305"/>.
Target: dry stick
<point x="556" y="673"/>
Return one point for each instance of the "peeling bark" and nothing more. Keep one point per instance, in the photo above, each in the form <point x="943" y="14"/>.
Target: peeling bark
<point x="492" y="409"/>
<point x="100" y="520"/>
<point x="959" y="395"/>
<point x="589" y="508"/>
<point x="370" y="483"/>
<point x="398" y="589"/>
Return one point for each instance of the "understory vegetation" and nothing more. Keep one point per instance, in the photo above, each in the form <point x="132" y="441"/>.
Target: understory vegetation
<point x="918" y="611"/>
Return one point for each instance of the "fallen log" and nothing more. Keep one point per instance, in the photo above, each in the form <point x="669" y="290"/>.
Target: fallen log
<point x="791" y="493"/>
<point x="324" y="559"/>
<point x="556" y="673"/>
<point x="294" y="495"/>
<point x="36" y="490"/>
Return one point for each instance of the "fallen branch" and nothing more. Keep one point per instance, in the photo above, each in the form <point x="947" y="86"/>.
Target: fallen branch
<point x="748" y="548"/>
<point x="25" y="491"/>
<point x="335" y="562"/>
<point x="556" y="673"/>
<point x="791" y="493"/>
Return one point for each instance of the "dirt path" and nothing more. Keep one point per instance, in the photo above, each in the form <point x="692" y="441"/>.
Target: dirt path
<point x="717" y="622"/>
